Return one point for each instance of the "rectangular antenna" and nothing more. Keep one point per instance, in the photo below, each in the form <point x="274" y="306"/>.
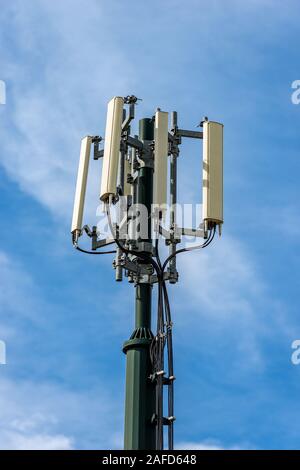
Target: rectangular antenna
<point x="127" y="171"/>
<point x="212" y="190"/>
<point x="82" y="175"/>
<point x="160" y="160"/>
<point x="111" y="147"/>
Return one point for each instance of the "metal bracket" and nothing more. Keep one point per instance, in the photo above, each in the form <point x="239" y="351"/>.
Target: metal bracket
<point x="100" y="243"/>
<point x="130" y="117"/>
<point x="190" y="134"/>
<point x="168" y="276"/>
<point x="134" y="142"/>
<point x="97" y="152"/>
<point x="165" y="421"/>
<point x="165" y="233"/>
<point x="174" y="141"/>
<point x="144" y="247"/>
<point x="145" y="156"/>
<point x="190" y="232"/>
<point x="137" y="268"/>
<point x="94" y="236"/>
<point x="131" y="99"/>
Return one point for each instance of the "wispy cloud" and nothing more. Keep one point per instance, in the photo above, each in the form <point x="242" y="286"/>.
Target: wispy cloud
<point x="19" y="296"/>
<point x="223" y="290"/>
<point x="55" y="95"/>
<point x="49" y="416"/>
<point x="15" y="440"/>
<point x="222" y="281"/>
<point x="67" y="69"/>
<point x="60" y="69"/>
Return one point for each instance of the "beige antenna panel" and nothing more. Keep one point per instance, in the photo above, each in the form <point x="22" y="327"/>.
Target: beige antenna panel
<point x="160" y="160"/>
<point x="111" y="148"/>
<point x="80" y="191"/>
<point x="212" y="201"/>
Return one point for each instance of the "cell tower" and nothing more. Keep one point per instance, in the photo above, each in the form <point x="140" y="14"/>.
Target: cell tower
<point x="134" y="184"/>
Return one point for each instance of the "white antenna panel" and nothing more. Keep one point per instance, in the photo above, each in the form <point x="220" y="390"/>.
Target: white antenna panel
<point x="82" y="175"/>
<point x="111" y="147"/>
<point x="212" y="200"/>
<point x="160" y="160"/>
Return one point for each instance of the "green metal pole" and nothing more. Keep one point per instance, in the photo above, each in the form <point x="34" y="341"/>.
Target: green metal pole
<point x="139" y="433"/>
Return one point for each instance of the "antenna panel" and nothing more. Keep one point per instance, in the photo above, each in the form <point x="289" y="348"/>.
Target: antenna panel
<point x="111" y="148"/>
<point x="160" y="160"/>
<point x="212" y="200"/>
<point x="80" y="191"/>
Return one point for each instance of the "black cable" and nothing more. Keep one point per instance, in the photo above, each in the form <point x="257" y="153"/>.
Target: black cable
<point x="171" y="377"/>
<point x="157" y="252"/>
<point x="158" y="350"/>
<point x="75" y="244"/>
<point x="94" y="252"/>
<point x="157" y="345"/>
<point x="161" y="334"/>
<point x="168" y="334"/>
<point x="160" y="338"/>
<point x="166" y="306"/>
<point x="197" y="247"/>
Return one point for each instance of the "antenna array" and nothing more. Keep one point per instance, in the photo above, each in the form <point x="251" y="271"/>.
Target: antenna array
<point x="134" y="179"/>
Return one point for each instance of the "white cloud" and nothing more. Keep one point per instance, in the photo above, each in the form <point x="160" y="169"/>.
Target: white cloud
<point x="45" y="415"/>
<point x="15" y="282"/>
<point x="222" y="289"/>
<point x="285" y="220"/>
<point x="58" y="94"/>
<point x="67" y="66"/>
<point x="26" y="419"/>
<point x="17" y="441"/>
<point x="20" y="298"/>
<point x="49" y="416"/>
<point x="222" y="279"/>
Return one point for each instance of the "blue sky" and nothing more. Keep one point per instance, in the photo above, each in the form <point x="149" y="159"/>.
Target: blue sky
<point x="236" y="306"/>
